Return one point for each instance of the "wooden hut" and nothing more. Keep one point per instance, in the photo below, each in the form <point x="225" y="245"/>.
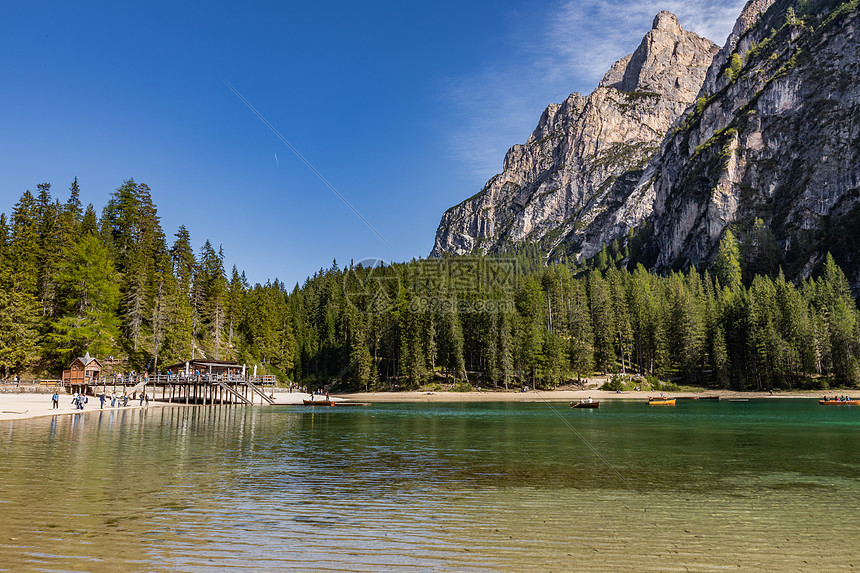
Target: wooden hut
<point x="84" y="371"/>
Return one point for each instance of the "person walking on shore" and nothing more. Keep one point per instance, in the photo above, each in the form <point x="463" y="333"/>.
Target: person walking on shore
<point x="55" y="401"/>
<point x="102" y="399"/>
<point x="113" y="399"/>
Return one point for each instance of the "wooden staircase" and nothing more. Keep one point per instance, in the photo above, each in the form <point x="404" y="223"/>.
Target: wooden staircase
<point x="136" y="388"/>
<point x="260" y="392"/>
<point x="229" y="390"/>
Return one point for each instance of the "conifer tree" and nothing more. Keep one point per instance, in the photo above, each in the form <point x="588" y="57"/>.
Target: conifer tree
<point x="24" y="244"/>
<point x="581" y="332"/>
<point x="727" y="265"/>
<point x="602" y="319"/>
<point x="90" y="298"/>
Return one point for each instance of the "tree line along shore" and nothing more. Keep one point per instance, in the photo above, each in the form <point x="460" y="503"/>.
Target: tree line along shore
<point x="113" y="284"/>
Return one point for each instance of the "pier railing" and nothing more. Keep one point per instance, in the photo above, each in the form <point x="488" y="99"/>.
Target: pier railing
<point x="182" y="379"/>
<point x="43" y="385"/>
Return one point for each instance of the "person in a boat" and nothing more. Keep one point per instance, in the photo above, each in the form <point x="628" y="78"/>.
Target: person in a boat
<point x="590" y="400"/>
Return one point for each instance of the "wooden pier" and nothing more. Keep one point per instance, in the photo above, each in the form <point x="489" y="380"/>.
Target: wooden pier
<point x="194" y="382"/>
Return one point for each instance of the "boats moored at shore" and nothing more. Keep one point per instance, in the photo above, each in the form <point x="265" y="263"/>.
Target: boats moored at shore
<point x="318" y="402"/>
<point x="845" y="402"/>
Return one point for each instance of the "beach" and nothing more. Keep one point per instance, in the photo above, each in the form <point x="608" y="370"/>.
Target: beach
<point x="559" y="395"/>
<point x="23" y="405"/>
<point x="19" y="406"/>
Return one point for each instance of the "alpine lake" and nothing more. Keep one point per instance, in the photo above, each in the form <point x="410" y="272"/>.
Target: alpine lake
<point x="764" y="485"/>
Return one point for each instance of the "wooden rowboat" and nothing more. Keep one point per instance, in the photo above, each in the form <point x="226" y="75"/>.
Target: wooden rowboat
<point x="585" y="404"/>
<point x="839" y="402"/>
<point x="318" y="402"/>
<point x="661" y="401"/>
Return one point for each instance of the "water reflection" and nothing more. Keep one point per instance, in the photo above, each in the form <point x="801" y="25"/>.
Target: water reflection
<point x="448" y="487"/>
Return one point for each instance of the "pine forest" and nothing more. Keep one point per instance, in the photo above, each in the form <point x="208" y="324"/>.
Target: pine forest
<point x="114" y="284"/>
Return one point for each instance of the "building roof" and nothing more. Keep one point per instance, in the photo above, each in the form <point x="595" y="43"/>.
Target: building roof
<point x="203" y="363"/>
<point x="86" y="360"/>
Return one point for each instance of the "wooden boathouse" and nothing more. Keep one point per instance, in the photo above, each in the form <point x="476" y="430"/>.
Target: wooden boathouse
<point x="83" y="372"/>
<point x="197" y="381"/>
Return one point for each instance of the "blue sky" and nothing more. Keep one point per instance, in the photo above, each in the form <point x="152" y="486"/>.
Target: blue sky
<point x="406" y="108"/>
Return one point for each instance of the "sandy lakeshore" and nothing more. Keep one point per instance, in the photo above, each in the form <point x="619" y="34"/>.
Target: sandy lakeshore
<point x="20" y="406"/>
<point x="552" y="396"/>
<point x="33" y="405"/>
<point x="26" y="405"/>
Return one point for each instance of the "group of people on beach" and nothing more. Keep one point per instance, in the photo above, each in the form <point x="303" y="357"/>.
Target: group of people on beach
<point x="79" y="400"/>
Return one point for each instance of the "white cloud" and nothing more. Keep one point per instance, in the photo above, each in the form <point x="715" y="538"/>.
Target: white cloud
<point x="566" y="49"/>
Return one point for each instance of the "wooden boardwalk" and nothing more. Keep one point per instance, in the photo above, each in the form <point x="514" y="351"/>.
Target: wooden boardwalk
<point x="194" y="389"/>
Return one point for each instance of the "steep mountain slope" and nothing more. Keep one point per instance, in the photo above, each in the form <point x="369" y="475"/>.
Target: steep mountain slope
<point x="770" y="149"/>
<point x="586" y="154"/>
<point x="774" y="137"/>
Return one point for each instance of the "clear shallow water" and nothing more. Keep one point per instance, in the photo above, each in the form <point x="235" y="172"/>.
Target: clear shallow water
<point x="771" y="485"/>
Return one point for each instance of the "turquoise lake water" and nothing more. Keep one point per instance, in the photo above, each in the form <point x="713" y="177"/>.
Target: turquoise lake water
<point x="767" y="485"/>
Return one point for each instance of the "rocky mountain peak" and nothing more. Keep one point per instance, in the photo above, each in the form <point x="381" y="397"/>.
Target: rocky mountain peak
<point x="682" y="141"/>
<point x="585" y="151"/>
<point x="658" y="63"/>
<point x="666" y="21"/>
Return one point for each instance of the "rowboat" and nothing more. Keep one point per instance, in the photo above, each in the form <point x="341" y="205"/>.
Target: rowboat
<point x="851" y="402"/>
<point x="318" y="402"/>
<point x="709" y="397"/>
<point x="739" y="399"/>
<point x="585" y="404"/>
<point x="661" y="401"/>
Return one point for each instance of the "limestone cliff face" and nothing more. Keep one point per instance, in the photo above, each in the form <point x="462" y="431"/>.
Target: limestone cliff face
<point x="774" y="136"/>
<point x="568" y="187"/>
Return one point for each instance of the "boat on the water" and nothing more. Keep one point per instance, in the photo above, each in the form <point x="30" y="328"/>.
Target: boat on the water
<point x="318" y="402"/>
<point x="739" y="399"/>
<point x="661" y="401"/>
<point x="709" y="397"/>
<point x="585" y="404"/>
<point x="850" y="402"/>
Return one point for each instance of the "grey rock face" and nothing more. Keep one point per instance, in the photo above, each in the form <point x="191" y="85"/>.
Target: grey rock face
<point x="566" y="186"/>
<point x="772" y="135"/>
<point x="778" y="141"/>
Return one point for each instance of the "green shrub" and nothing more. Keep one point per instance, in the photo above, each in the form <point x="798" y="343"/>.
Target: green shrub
<point x="617" y="383"/>
<point x="671" y="387"/>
